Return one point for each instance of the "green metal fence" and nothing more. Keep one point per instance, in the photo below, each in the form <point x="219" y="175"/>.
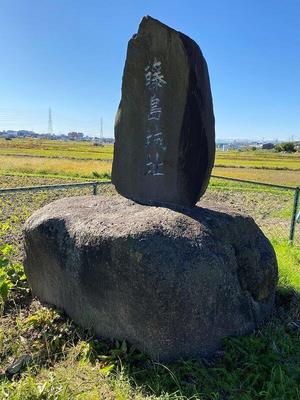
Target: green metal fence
<point x="285" y="199"/>
<point x="273" y="207"/>
<point x="93" y="185"/>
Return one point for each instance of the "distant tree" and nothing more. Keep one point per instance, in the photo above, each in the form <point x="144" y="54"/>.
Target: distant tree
<point x="289" y="147"/>
<point x="253" y="148"/>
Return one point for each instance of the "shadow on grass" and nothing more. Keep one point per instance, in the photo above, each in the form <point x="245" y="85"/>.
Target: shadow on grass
<point x="263" y="365"/>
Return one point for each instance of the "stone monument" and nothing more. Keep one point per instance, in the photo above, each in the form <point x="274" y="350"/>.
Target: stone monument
<point x="170" y="277"/>
<point x="164" y="130"/>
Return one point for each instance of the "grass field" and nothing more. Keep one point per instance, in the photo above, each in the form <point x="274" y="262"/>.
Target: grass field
<point x="43" y="355"/>
<point x="84" y="160"/>
<point x="55" y="148"/>
<point x="280" y="177"/>
<point x="55" y="166"/>
<point x="259" y="159"/>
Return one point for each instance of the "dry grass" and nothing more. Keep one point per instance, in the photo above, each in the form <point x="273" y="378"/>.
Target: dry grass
<point x="54" y="166"/>
<point x="81" y="159"/>
<point x="280" y="177"/>
<point x="76" y="168"/>
<point x="258" y="159"/>
<point x="55" y="148"/>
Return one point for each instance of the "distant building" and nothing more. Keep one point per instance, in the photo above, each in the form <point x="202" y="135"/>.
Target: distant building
<point x="75" y="135"/>
<point x="268" y="146"/>
<point x="24" y="133"/>
<point x="10" y="134"/>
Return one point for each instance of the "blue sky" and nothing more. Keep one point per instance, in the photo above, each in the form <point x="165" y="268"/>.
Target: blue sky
<point x="69" y="54"/>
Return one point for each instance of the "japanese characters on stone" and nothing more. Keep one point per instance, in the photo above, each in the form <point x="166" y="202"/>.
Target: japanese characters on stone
<point x="154" y="141"/>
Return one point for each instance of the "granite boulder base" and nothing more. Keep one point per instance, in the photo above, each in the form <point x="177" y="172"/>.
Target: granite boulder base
<point x="171" y="283"/>
<point x="164" y="129"/>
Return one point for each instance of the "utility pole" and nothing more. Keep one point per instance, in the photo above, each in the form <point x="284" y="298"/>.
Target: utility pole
<point x="101" y="130"/>
<point x="50" y="125"/>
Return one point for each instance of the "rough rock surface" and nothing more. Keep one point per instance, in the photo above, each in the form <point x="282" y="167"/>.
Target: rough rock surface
<point x="173" y="283"/>
<point x="164" y="129"/>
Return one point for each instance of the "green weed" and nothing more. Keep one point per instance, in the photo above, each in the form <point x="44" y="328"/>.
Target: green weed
<point x="64" y="361"/>
<point x="12" y="277"/>
<point x="289" y="264"/>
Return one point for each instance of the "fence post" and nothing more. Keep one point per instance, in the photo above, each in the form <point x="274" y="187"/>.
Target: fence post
<point x="294" y="215"/>
<point x="95" y="187"/>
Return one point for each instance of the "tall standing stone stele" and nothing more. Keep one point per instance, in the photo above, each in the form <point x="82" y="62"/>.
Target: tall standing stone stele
<point x="164" y="130"/>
